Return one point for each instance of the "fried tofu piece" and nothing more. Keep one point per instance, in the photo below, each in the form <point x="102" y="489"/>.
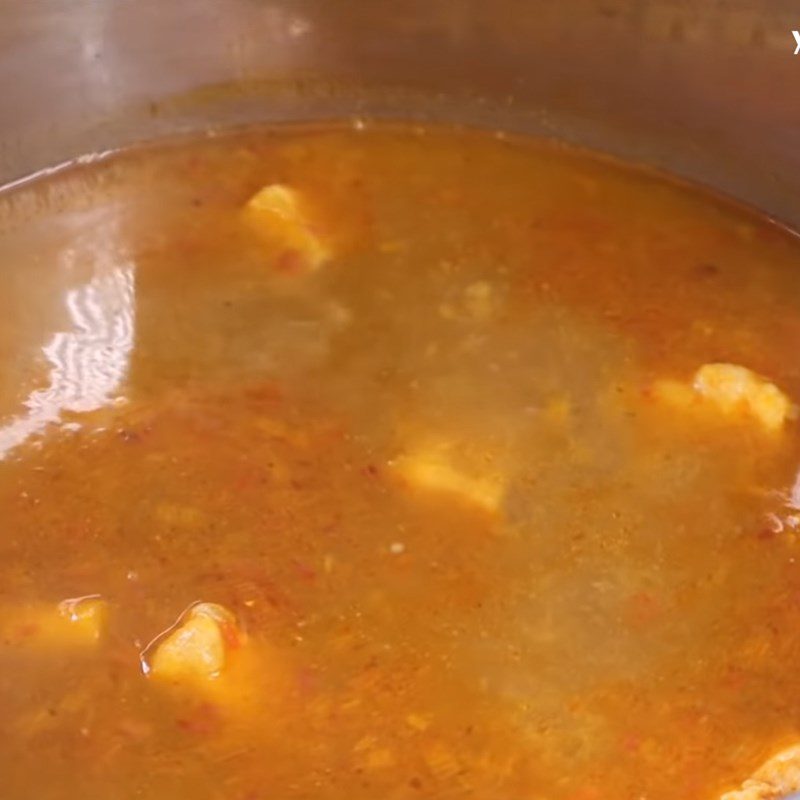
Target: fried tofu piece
<point x="735" y="391"/>
<point x="75" y="623"/>
<point x="433" y="470"/>
<point x="738" y="390"/>
<point x="775" y="779"/>
<point x="85" y="617"/>
<point x="278" y="214"/>
<point x="196" y="648"/>
<point x="206" y="654"/>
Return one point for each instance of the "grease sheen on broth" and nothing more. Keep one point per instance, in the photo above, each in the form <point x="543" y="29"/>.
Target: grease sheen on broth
<point x="469" y="548"/>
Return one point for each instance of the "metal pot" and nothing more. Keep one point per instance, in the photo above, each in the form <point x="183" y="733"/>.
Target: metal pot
<point x="708" y="90"/>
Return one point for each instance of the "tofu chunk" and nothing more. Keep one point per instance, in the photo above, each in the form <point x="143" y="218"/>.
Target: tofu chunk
<point x="196" y="648"/>
<point x="206" y="654"/>
<point x="738" y="390"/>
<point x="735" y="391"/>
<point x="75" y="623"/>
<point x="84" y="617"/>
<point x="433" y="470"/>
<point x="775" y="779"/>
<point x="277" y="213"/>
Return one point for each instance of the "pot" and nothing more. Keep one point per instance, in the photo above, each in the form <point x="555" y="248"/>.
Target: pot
<point x="709" y="91"/>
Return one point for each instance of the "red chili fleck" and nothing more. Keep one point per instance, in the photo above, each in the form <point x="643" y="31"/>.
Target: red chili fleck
<point x="267" y="392"/>
<point x="307" y="681"/>
<point x="304" y="571"/>
<point x="642" y="609"/>
<point x="290" y="262"/>
<point x="203" y="720"/>
<point x="632" y="743"/>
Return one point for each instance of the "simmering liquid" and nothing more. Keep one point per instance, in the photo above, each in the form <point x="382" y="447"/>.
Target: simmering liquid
<point x="471" y="549"/>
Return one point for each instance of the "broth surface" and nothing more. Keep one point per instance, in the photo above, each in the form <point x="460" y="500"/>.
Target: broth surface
<point x="603" y="604"/>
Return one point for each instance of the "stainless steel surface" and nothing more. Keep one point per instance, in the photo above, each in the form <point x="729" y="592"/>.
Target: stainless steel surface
<point x="709" y="90"/>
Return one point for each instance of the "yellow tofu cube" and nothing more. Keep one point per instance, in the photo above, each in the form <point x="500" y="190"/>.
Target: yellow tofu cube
<point x="277" y="213"/>
<point x="738" y="390"/>
<point x="205" y="652"/>
<point x="77" y="622"/>
<point x="196" y="648"/>
<point x="85" y="617"/>
<point x="735" y="391"/>
<point x="776" y="778"/>
<point x="433" y="470"/>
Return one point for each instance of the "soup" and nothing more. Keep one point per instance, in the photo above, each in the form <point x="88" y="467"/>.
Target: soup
<point x="386" y="462"/>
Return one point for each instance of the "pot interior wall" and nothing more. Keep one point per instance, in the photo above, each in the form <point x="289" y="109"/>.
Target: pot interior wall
<point x="708" y="91"/>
